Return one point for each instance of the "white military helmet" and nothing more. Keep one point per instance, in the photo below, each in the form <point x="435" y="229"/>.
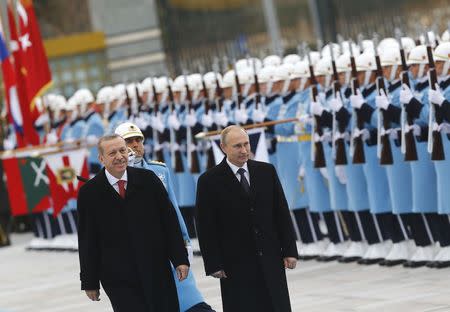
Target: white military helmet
<point x="147" y="85"/>
<point x="324" y="68"/>
<point x="408" y="44"/>
<point x="242" y="63"/>
<point x="291" y="59"/>
<point x="272" y="60"/>
<point x="61" y="102"/>
<point x="211" y="78"/>
<point x="266" y="75"/>
<point x="387" y="43"/>
<point x="179" y="84"/>
<point x="128" y="130"/>
<point x="326" y="50"/>
<point x="368" y="46"/>
<point x="442" y="53"/>
<point x="228" y="80"/>
<point x="314" y="56"/>
<point x="83" y="97"/>
<point x="119" y="92"/>
<point x="391" y="57"/>
<point x="366" y="63"/>
<point x="161" y="84"/>
<point x="71" y="106"/>
<point x="195" y="85"/>
<point x="301" y="70"/>
<point x="418" y="55"/>
<point x="346" y="48"/>
<point x="105" y="95"/>
<point x="343" y="65"/>
<point x="246" y="78"/>
<point x="50" y="101"/>
<point x="281" y="73"/>
<point x="445" y="36"/>
<point x="290" y="69"/>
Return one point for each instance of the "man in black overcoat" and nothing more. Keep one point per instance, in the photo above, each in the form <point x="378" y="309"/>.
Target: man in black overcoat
<point x="245" y="229"/>
<point x="128" y="235"/>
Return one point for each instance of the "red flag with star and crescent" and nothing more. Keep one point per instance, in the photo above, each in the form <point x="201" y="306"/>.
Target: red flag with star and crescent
<point x="62" y="171"/>
<point x="30" y="60"/>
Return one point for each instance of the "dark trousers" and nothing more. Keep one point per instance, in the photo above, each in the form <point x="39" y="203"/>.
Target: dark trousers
<point x="308" y="225"/>
<point x="126" y="298"/>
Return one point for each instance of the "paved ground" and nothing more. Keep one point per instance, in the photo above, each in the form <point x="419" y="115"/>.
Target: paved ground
<point x="48" y="282"/>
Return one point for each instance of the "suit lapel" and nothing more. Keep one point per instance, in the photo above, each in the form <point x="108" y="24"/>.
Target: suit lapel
<point x="107" y="188"/>
<point x="254" y="179"/>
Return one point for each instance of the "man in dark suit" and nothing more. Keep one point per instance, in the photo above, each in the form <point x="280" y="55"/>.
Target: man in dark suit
<point x="245" y="229"/>
<point x="128" y="235"/>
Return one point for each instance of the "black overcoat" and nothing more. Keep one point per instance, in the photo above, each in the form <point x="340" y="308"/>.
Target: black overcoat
<point x="246" y="235"/>
<point x="130" y="241"/>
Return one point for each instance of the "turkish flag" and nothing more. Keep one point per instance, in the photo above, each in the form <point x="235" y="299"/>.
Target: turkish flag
<point x="30" y="60"/>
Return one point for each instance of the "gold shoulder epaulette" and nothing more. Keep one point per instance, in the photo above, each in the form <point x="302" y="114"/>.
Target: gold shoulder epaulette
<point x="155" y="162"/>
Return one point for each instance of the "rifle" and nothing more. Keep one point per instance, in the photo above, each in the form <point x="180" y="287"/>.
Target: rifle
<point x="140" y="102"/>
<point x="358" y="144"/>
<point x="386" y="149"/>
<point x="408" y="142"/>
<point x="128" y="102"/>
<point x="210" y="160"/>
<point x="157" y="149"/>
<point x="258" y="93"/>
<point x="218" y="91"/>
<point x="435" y="145"/>
<point x="239" y="98"/>
<point x="319" y="155"/>
<point x="177" y="161"/>
<point x="192" y="156"/>
<point x="338" y="144"/>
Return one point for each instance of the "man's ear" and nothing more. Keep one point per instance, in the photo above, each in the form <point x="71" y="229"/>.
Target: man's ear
<point x="222" y="147"/>
<point x="100" y="158"/>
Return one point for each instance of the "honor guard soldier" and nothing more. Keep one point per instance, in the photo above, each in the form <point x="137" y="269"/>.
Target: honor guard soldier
<point x="189" y="297"/>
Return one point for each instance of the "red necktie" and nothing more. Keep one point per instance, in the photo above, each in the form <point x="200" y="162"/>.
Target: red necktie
<point x="121" y="184"/>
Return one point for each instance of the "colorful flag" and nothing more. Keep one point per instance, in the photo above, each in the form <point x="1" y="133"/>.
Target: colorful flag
<point x="14" y="113"/>
<point x="62" y="171"/>
<point x="31" y="64"/>
<point x="27" y="184"/>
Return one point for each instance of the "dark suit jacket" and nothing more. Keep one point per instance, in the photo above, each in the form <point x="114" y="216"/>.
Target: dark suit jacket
<point x="130" y="241"/>
<point x="247" y="235"/>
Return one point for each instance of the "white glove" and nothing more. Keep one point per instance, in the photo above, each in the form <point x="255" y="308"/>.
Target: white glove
<point x="340" y="174"/>
<point x="8" y="144"/>
<point x="156" y="123"/>
<point x="258" y="115"/>
<point x="207" y="120"/>
<point x="381" y="101"/>
<point x="173" y="121"/>
<point x="91" y="139"/>
<point x="357" y="100"/>
<point x="301" y="172"/>
<point x="406" y="94"/>
<point x="52" y="138"/>
<point x="336" y="104"/>
<point x="41" y="120"/>
<point x="191" y="119"/>
<point x="190" y="252"/>
<point x="435" y="96"/>
<point x="316" y="108"/>
<point x="131" y="157"/>
<point x="141" y="122"/>
<point x="304" y="119"/>
<point x="241" y="116"/>
<point x="221" y="119"/>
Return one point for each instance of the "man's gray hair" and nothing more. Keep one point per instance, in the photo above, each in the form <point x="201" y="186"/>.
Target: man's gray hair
<point x="227" y="130"/>
<point x="106" y="138"/>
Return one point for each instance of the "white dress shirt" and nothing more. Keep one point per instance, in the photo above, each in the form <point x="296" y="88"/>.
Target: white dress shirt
<point x="235" y="169"/>
<point x="113" y="180"/>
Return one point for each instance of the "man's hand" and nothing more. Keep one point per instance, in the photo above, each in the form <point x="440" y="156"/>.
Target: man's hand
<point x="182" y="272"/>
<point x="94" y="295"/>
<point x="290" y="262"/>
<point x="219" y="274"/>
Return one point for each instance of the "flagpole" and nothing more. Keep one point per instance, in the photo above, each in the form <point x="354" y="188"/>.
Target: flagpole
<point x="39" y="148"/>
<point x="204" y="135"/>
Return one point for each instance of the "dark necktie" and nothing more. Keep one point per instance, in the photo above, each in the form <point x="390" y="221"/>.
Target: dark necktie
<point x="244" y="181"/>
<point x="121" y="184"/>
